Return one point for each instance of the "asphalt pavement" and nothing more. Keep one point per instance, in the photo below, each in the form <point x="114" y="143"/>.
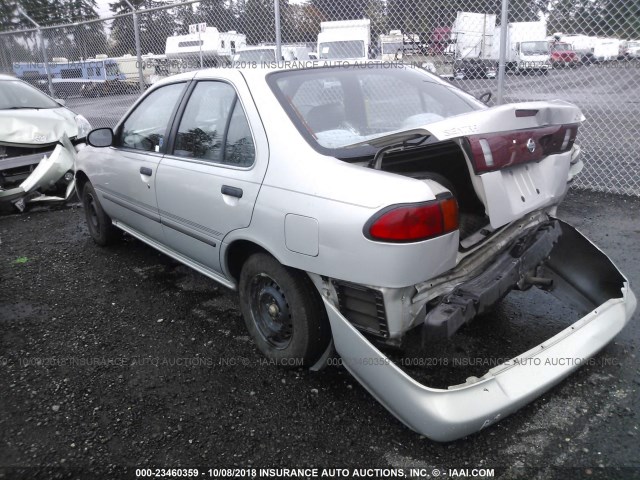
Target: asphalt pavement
<point x="120" y="357"/>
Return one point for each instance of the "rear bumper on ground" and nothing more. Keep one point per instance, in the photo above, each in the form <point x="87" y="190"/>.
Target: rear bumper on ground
<point x="584" y="277"/>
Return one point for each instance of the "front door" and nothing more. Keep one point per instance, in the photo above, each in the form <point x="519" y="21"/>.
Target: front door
<point x="126" y="182"/>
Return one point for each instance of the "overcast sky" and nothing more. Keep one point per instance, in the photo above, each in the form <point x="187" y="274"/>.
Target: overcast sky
<point x="103" y="8"/>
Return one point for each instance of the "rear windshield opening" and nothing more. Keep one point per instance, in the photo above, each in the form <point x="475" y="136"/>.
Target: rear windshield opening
<point x="339" y="106"/>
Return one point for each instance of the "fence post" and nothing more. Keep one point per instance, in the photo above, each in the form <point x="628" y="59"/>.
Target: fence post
<point x="504" y="25"/>
<point x="276" y="9"/>
<point x="136" y="33"/>
<point x="43" y="47"/>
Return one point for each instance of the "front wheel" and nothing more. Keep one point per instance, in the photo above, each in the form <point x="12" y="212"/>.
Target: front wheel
<point x="283" y="312"/>
<point x="99" y="224"/>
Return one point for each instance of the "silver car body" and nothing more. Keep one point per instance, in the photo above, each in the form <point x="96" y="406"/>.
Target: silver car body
<point x="308" y="210"/>
<point x="47" y="130"/>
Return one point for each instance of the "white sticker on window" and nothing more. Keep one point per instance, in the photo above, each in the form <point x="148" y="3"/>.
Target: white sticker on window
<point x="325" y="49"/>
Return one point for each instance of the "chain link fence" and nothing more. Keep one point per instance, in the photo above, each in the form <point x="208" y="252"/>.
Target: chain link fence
<point x="585" y="52"/>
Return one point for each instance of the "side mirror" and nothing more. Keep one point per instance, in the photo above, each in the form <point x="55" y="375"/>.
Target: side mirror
<point x="100" y="137"/>
<point x="485" y="97"/>
<point x="60" y="101"/>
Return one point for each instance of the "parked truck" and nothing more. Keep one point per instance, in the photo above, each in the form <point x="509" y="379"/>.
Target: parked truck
<point x="472" y="35"/>
<point x="345" y="39"/>
<point x="408" y="48"/>
<point x="527" y="47"/>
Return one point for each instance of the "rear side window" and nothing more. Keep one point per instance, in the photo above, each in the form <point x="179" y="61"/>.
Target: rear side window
<point x="214" y="127"/>
<point x="145" y="128"/>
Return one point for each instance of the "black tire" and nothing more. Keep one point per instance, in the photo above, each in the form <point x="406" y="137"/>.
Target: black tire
<point x="99" y="224"/>
<point x="283" y="312"/>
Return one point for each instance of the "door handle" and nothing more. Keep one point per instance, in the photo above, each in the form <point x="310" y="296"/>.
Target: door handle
<point x="231" y="191"/>
<point x="146" y="171"/>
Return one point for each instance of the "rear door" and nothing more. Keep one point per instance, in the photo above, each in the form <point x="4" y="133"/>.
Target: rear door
<point x="208" y="182"/>
<point x="126" y="179"/>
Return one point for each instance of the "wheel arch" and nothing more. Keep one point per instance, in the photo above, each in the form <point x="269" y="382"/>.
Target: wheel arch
<point x="81" y="181"/>
<point x="237" y="253"/>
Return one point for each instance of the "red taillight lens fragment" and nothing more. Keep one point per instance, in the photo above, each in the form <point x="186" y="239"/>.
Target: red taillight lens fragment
<point x="412" y="223"/>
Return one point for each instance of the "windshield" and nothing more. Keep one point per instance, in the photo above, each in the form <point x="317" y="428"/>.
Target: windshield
<point x="561" y="47"/>
<point x="342" y="49"/>
<point x="257" y="55"/>
<point x="534" y="48"/>
<point x="392" y="47"/>
<point x="339" y="106"/>
<point x="15" y="94"/>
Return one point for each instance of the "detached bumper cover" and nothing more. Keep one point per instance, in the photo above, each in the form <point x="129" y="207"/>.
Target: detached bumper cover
<point x="583" y="277"/>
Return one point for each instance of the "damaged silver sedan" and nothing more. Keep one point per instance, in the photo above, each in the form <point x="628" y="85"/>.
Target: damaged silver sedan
<point x="39" y="138"/>
<point x="352" y="207"/>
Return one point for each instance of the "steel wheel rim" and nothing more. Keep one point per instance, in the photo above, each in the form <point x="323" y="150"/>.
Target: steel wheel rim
<point x="270" y="311"/>
<point x="92" y="214"/>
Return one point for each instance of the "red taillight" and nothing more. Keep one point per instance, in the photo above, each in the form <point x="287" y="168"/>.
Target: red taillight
<point x="499" y="150"/>
<point x="415" y="222"/>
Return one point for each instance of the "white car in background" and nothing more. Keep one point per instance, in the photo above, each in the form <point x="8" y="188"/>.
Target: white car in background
<point x="37" y="138"/>
<point x="353" y="205"/>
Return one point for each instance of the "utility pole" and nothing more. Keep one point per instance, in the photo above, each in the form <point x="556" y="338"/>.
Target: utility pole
<point x="504" y="25"/>
<point x="43" y="48"/>
<point x="136" y="32"/>
<point x="276" y="9"/>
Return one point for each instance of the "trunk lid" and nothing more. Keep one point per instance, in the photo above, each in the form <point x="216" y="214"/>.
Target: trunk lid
<point x="518" y="155"/>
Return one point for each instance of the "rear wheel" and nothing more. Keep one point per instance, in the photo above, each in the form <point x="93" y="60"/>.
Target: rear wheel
<point x="283" y="312"/>
<point x="99" y="224"/>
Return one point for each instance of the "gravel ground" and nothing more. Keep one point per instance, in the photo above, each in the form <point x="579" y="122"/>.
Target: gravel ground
<point x="121" y="357"/>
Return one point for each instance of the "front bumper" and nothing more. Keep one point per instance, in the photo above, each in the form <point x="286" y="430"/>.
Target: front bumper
<point x="46" y="174"/>
<point x="584" y="278"/>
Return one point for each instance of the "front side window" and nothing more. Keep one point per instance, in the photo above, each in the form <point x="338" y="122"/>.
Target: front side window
<point x="214" y="127"/>
<point x="145" y="128"/>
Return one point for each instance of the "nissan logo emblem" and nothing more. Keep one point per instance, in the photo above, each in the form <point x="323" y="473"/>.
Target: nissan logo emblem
<point x="531" y="145"/>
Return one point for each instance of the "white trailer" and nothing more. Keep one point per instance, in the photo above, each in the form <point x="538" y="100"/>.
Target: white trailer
<point x="527" y="46"/>
<point x="632" y="49"/>
<point x="472" y="35"/>
<point x="391" y="46"/>
<point x="344" y="39"/>
<point x="606" y="49"/>
<point x="128" y="65"/>
<point x="266" y="53"/>
<point x="208" y="48"/>
<point x="582" y="44"/>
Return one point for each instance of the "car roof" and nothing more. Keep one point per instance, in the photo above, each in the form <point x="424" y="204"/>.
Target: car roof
<point x="7" y="77"/>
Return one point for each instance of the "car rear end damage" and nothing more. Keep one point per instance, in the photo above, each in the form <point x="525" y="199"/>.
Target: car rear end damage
<point x="508" y="168"/>
<point x="576" y="272"/>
